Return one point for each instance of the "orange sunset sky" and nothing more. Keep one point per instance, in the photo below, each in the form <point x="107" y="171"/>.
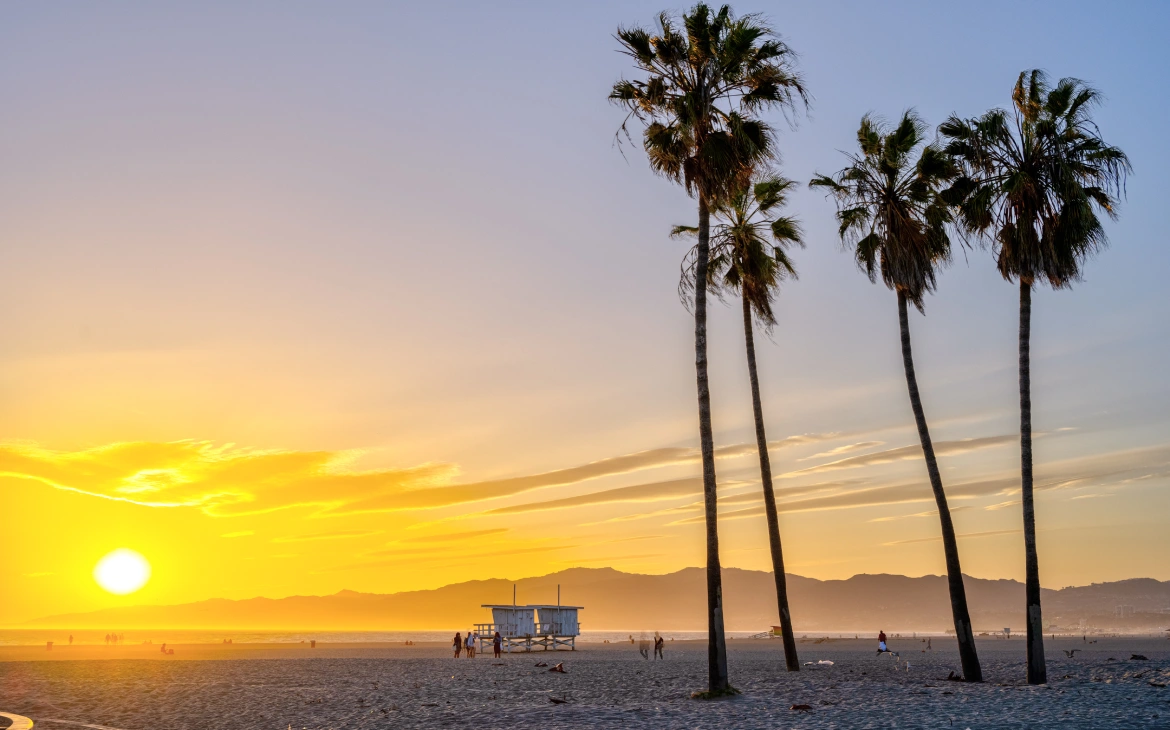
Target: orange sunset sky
<point x="287" y="310"/>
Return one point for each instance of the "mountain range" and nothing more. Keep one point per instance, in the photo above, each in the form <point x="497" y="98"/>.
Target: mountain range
<point x="614" y="600"/>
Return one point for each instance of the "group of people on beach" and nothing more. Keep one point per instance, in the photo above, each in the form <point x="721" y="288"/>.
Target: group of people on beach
<point x="111" y="638"/>
<point x="468" y="645"/>
<point x="645" y="648"/>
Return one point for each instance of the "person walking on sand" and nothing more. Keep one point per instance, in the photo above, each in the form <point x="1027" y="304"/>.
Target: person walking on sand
<point x="659" y="642"/>
<point x="458" y="644"/>
<point x="496" y="645"/>
<point x="470" y="646"/>
<point x="882" y="642"/>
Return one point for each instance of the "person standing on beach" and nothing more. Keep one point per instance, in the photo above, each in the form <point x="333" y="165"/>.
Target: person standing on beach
<point x="458" y="644"/>
<point x="881" y="642"/>
<point x="470" y="645"/>
<point x="659" y="642"/>
<point x="496" y="645"/>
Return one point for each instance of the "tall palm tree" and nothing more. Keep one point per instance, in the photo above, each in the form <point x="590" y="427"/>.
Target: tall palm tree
<point x="748" y="257"/>
<point x="1033" y="181"/>
<point x="889" y="211"/>
<point x="704" y="79"/>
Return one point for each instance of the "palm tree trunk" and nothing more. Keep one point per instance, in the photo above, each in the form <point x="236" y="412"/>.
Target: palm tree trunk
<point x="790" y="657"/>
<point x="716" y="644"/>
<point x="967" y="655"/>
<point x="1037" y="672"/>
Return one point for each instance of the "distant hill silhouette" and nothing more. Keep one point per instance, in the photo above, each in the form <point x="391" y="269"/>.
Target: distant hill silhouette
<point x="615" y="600"/>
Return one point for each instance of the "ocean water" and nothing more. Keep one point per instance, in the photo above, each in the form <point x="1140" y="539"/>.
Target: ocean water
<point x="60" y="637"/>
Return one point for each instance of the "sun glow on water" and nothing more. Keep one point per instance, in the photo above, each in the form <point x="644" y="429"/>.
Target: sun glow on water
<point x="122" y="571"/>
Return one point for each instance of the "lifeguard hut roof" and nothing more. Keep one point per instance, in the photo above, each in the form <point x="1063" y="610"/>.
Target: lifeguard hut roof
<point x="529" y="605"/>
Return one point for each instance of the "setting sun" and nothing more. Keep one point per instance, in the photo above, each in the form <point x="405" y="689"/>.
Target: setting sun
<point x="122" y="571"/>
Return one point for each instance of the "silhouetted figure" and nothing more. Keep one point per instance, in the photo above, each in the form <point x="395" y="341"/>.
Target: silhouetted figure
<point x="496" y="642"/>
<point x="313" y="644"/>
<point x="659" y="642"/>
<point x="882" y="642"/>
<point x="164" y="648"/>
<point x="470" y="645"/>
<point x="458" y="644"/>
<point x="70" y="639"/>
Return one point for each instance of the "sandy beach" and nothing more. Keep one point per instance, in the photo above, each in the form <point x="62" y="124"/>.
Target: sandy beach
<point x="606" y="685"/>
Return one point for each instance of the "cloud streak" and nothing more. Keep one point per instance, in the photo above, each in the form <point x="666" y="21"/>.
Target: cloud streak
<point x="224" y="481"/>
<point x="906" y="453"/>
<point x="968" y="535"/>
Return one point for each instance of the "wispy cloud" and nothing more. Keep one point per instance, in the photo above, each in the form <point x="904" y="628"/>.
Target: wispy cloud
<point x="652" y="492"/>
<point x="928" y="513"/>
<point x="453" y="536"/>
<point x="225" y="481"/>
<point x="903" y="453"/>
<point x="219" y="480"/>
<point x="1002" y="505"/>
<point x="240" y="533"/>
<point x="968" y="535"/>
<point x="847" y="448"/>
<point x="334" y="535"/>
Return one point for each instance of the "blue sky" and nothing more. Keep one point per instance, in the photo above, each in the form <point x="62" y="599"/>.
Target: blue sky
<point x="403" y="232"/>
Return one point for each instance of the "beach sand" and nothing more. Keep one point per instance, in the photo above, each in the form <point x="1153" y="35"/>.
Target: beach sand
<point x="605" y="685"/>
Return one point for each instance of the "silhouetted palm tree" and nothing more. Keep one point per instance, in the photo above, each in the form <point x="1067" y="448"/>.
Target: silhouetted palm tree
<point x="704" y="78"/>
<point x="889" y="211"/>
<point x="748" y="258"/>
<point x="1033" y="182"/>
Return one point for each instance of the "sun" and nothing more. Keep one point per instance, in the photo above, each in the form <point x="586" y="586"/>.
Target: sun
<point x="122" y="571"/>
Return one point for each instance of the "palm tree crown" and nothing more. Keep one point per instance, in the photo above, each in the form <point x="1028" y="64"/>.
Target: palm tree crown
<point x="703" y="82"/>
<point x="1034" y="179"/>
<point x="749" y="254"/>
<point x="888" y="205"/>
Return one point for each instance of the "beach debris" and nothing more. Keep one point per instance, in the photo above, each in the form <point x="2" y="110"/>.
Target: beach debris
<point x="825" y="661"/>
<point x="1157" y="684"/>
<point x="801" y="708"/>
<point x="808" y="664"/>
<point x="559" y="668"/>
<point x="563" y="699"/>
<point x="318" y="701"/>
<point x="1139" y="658"/>
<point x="952" y="677"/>
<point x="542" y="664"/>
<point x="1071" y="654"/>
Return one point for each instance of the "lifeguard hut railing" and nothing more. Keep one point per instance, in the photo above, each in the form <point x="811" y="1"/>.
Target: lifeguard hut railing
<point x="520" y="629"/>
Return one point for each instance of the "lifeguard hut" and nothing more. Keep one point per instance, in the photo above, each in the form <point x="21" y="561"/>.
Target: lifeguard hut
<point x="546" y="625"/>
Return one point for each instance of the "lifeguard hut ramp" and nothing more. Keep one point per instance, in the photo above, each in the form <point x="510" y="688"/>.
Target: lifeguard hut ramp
<point x="522" y="628"/>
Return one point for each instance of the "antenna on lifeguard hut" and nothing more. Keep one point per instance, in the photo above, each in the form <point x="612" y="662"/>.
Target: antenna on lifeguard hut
<point x="558" y="595"/>
<point x="513" y="594"/>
